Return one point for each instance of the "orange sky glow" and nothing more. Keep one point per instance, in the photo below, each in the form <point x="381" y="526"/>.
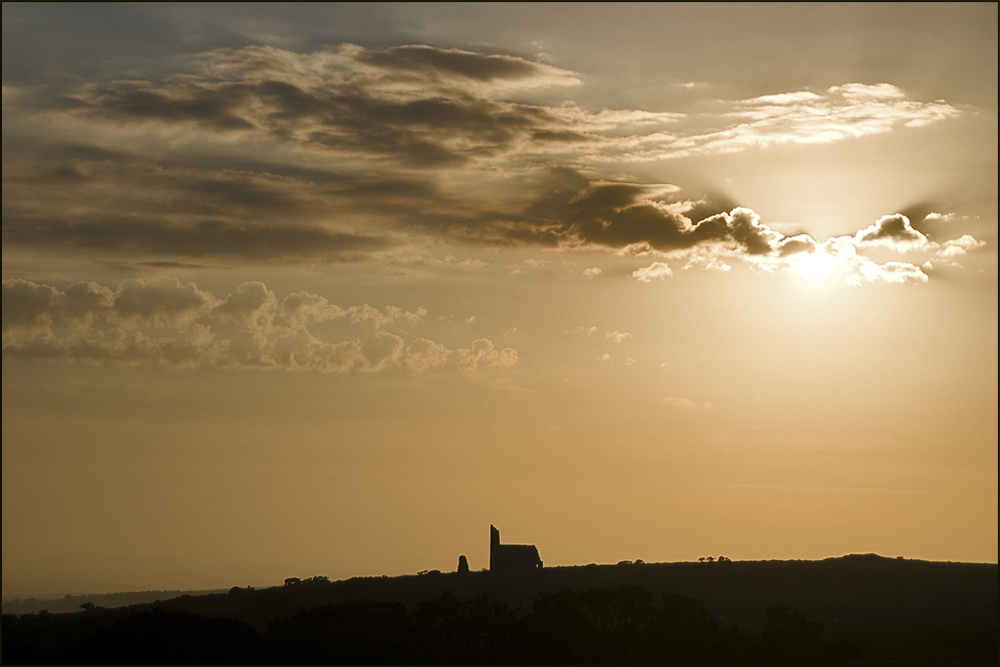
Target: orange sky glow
<point x="328" y="289"/>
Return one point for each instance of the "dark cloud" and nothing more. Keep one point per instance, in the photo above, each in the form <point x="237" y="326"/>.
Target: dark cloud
<point x="917" y="213"/>
<point x="230" y="187"/>
<point x="893" y="231"/>
<point x="430" y="60"/>
<point x="577" y="213"/>
<point x="433" y="131"/>
<point x="226" y="194"/>
<point x="27" y="305"/>
<point x="390" y="188"/>
<point x="208" y="238"/>
<point x="429" y="107"/>
<point x="429" y="132"/>
<point x="132" y="205"/>
<point x="378" y="113"/>
<point x="711" y="204"/>
<point x="139" y="183"/>
<point x="927" y="219"/>
<point x="136" y="267"/>
<point x="562" y="136"/>
<point x="214" y="108"/>
<point x="438" y="120"/>
<point x="793" y="245"/>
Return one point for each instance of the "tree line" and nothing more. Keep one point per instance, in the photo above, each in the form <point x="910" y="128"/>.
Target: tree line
<point x="599" y="625"/>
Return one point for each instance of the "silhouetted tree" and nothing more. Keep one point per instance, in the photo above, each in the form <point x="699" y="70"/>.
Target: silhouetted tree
<point x="169" y="637"/>
<point x="686" y="633"/>
<point x="463" y="565"/>
<point x="789" y="638"/>
<point x="355" y="632"/>
<point x="559" y="630"/>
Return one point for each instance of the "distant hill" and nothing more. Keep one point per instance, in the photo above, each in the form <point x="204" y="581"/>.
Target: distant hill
<point x="892" y="608"/>
<point x="736" y="590"/>
<point x="71" y="603"/>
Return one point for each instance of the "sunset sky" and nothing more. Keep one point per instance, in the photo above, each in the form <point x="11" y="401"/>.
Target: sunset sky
<point x="295" y="290"/>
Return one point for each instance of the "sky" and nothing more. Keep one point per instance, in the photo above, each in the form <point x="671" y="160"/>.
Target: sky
<point x="327" y="289"/>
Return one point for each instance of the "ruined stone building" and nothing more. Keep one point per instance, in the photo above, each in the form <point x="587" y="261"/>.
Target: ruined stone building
<point x="512" y="558"/>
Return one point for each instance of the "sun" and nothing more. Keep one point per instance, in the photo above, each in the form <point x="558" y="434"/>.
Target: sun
<point x="813" y="266"/>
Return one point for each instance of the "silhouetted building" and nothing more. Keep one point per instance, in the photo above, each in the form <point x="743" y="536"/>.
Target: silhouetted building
<point x="512" y="558"/>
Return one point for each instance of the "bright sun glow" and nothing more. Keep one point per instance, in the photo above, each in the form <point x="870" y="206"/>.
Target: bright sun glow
<point x="814" y="266"/>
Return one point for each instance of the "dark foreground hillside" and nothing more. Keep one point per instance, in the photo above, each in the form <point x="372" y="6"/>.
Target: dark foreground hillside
<point x="850" y="610"/>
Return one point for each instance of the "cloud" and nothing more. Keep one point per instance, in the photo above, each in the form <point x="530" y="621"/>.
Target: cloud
<point x="157" y="304"/>
<point x="792" y="245"/>
<point x="655" y="271"/>
<point x="841" y="112"/>
<point x="350" y="154"/>
<point x="251" y="305"/>
<point x="842" y="248"/>
<point x="890" y="272"/>
<point x="654" y="219"/>
<point x="161" y="302"/>
<point x="432" y="107"/>
<point x="959" y="247"/>
<point x="483" y="355"/>
<point x="393" y="315"/>
<point x="704" y="261"/>
<point x="592" y="272"/>
<point x="164" y="321"/>
<point x="299" y="309"/>
<point x="382" y="350"/>
<point x="146" y="205"/>
<point x="634" y="218"/>
<point x="428" y="61"/>
<point x="207" y="238"/>
<point x="680" y="403"/>
<point x="424" y="354"/>
<point x="893" y="231"/>
<point x="617" y="336"/>
<point x="420" y="105"/>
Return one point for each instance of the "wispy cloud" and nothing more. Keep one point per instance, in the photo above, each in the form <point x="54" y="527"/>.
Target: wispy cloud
<point x="816" y="488"/>
<point x="680" y="403"/>
<point x="430" y="107"/>
<point x="420" y="105"/>
<point x="805" y="117"/>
